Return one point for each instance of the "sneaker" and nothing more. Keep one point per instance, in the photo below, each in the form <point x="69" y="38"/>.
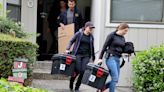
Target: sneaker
<point x="101" y="90"/>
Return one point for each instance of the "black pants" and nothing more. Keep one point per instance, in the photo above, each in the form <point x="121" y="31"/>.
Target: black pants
<point x="80" y="67"/>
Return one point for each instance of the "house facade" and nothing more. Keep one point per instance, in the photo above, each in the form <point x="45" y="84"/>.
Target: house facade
<point x="145" y="18"/>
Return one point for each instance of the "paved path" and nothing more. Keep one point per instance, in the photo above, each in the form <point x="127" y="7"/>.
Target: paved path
<point x="62" y="86"/>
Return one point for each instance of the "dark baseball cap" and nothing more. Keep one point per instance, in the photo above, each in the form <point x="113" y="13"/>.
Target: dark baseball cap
<point x="89" y="24"/>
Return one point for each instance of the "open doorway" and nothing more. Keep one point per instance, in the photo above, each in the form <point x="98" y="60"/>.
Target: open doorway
<point x="47" y="13"/>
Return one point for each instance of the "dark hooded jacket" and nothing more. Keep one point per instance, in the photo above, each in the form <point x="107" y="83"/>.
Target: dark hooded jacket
<point x="76" y="41"/>
<point x="77" y="19"/>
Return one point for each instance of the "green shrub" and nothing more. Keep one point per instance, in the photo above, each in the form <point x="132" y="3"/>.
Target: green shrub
<point x="5" y="86"/>
<point x="11" y="48"/>
<point x="8" y="26"/>
<point x="148" y="67"/>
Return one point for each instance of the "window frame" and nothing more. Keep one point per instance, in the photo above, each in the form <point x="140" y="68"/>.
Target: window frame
<point x="108" y="22"/>
<point x="10" y="2"/>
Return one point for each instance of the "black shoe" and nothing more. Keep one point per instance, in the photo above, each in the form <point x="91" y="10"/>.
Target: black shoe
<point x="71" y="86"/>
<point x="77" y="90"/>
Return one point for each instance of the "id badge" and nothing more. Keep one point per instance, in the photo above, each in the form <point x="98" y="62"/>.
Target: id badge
<point x="92" y="78"/>
<point x="62" y="67"/>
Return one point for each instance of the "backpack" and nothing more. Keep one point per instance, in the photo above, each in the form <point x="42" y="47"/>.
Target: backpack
<point x="129" y="48"/>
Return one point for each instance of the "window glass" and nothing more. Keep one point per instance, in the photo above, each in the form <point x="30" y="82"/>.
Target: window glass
<point x="14" y="8"/>
<point x="144" y="11"/>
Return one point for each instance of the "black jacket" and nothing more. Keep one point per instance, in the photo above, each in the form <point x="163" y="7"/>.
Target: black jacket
<point x="114" y="44"/>
<point x="77" y="19"/>
<point x="76" y="41"/>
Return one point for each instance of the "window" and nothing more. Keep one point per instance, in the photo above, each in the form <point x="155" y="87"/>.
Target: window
<point x="137" y="11"/>
<point x="14" y="8"/>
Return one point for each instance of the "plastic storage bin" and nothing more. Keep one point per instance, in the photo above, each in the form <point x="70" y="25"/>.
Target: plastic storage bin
<point x="63" y="64"/>
<point x="95" y="76"/>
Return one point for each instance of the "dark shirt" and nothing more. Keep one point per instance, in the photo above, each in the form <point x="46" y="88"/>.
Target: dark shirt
<point x="76" y="39"/>
<point x="113" y="45"/>
<point x="84" y="47"/>
<point x="77" y="19"/>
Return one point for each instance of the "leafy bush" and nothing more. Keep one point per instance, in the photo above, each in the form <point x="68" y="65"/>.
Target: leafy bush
<point x="11" y="48"/>
<point x="8" y="26"/>
<point x="148" y="67"/>
<point x="5" y="86"/>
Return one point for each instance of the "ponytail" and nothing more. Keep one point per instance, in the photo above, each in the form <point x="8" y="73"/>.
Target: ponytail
<point x="122" y="26"/>
<point x="117" y="28"/>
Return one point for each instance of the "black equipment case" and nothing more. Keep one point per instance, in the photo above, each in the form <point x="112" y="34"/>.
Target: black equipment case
<point x="95" y="76"/>
<point x="63" y="64"/>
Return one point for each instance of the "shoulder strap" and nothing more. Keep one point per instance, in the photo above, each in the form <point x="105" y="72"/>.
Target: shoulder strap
<point x="123" y="62"/>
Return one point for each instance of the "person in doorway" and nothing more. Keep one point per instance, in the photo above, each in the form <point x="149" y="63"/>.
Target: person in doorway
<point x="83" y="50"/>
<point x="63" y="6"/>
<point x="71" y="15"/>
<point x="113" y="46"/>
<point x="57" y="8"/>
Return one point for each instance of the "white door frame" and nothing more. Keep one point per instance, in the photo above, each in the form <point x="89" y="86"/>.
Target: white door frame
<point x="3" y="11"/>
<point x="96" y="18"/>
<point x="29" y="17"/>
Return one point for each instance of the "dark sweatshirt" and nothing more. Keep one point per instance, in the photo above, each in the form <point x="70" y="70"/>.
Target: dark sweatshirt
<point x="113" y="45"/>
<point x="76" y="40"/>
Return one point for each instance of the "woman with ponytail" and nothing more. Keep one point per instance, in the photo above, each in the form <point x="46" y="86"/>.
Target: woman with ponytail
<point x="113" y="47"/>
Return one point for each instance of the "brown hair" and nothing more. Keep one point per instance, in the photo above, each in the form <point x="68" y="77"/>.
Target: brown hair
<point x="122" y="26"/>
<point x="72" y="1"/>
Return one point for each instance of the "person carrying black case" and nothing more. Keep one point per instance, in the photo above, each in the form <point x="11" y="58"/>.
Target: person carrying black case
<point x="113" y="46"/>
<point x="83" y="49"/>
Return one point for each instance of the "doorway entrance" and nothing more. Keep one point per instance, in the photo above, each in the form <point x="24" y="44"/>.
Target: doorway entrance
<point x="47" y="13"/>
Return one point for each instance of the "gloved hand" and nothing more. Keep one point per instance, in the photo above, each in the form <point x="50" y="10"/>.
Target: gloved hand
<point x="67" y="51"/>
<point x="98" y="62"/>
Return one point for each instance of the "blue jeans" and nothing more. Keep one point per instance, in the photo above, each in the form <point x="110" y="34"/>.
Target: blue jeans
<point x="113" y="64"/>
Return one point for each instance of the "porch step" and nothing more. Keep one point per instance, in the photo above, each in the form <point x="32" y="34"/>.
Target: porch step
<point x="43" y="65"/>
<point x="42" y="70"/>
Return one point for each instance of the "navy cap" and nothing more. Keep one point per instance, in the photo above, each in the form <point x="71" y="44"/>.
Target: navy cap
<point x="89" y="24"/>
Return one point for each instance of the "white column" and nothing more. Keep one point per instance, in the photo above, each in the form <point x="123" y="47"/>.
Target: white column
<point x="29" y="16"/>
<point x="96" y="18"/>
<point x="3" y="8"/>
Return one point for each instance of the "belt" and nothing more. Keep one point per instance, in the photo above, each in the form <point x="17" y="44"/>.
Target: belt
<point x="110" y="55"/>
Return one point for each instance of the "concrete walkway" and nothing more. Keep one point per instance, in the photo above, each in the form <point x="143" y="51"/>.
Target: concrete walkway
<point x="58" y="83"/>
<point x="62" y="86"/>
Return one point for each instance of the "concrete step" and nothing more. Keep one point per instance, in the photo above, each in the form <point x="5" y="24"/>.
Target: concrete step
<point x="45" y="74"/>
<point x="42" y="70"/>
<point x="43" y="65"/>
